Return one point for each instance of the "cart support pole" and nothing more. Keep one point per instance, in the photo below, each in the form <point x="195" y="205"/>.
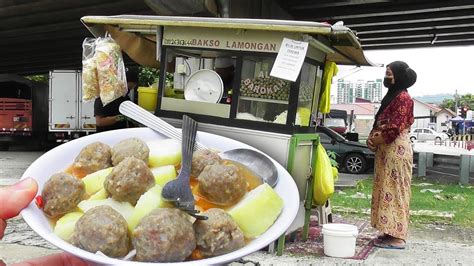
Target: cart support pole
<point x="310" y="191"/>
<point x="308" y="201"/>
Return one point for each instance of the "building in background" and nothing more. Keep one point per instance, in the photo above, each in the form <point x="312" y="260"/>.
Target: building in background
<point x="431" y="116"/>
<point x="349" y="92"/>
<point x="363" y="114"/>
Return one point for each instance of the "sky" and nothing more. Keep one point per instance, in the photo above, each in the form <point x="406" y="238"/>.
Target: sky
<point x="439" y="69"/>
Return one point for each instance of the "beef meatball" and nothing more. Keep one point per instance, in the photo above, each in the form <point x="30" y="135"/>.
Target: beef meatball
<point x="61" y="193"/>
<point x="102" y="229"/>
<point x="93" y="157"/>
<point x="222" y="184"/>
<point x="164" y="235"/>
<point x="203" y="158"/>
<point x="129" y="180"/>
<point x="217" y="235"/>
<point x="131" y="147"/>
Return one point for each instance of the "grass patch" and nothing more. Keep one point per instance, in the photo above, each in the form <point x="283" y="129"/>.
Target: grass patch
<point x="453" y="199"/>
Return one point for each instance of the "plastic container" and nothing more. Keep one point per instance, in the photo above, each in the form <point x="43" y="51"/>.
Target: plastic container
<point x="147" y="97"/>
<point x="339" y="240"/>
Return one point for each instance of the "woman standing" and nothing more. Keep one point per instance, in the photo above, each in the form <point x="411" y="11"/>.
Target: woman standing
<point x="389" y="139"/>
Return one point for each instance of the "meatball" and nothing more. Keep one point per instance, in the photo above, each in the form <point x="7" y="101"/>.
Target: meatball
<point x="93" y="157"/>
<point x="223" y="184"/>
<point x="102" y="229"/>
<point x="131" y="147"/>
<point x="61" y="193"/>
<point x="165" y="235"/>
<point x="203" y="158"/>
<point x="219" y="234"/>
<point x="129" y="180"/>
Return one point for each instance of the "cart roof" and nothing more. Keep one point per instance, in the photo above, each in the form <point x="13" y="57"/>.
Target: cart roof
<point x="123" y="28"/>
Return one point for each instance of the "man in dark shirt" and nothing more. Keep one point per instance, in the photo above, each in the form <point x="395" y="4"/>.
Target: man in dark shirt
<point x="108" y="117"/>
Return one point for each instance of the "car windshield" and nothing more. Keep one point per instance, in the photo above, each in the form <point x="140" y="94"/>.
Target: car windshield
<point x="331" y="133"/>
<point x="334" y="122"/>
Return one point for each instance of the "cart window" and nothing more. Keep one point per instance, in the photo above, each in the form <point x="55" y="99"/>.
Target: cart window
<point x="308" y="92"/>
<point x="262" y="98"/>
<point x="201" y="83"/>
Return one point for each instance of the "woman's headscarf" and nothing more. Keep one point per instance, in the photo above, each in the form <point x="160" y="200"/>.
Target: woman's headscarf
<point x="404" y="78"/>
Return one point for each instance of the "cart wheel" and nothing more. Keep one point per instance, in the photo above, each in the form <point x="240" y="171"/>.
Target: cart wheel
<point x="355" y="163"/>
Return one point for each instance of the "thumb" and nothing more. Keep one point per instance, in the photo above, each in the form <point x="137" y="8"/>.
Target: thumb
<point x="16" y="197"/>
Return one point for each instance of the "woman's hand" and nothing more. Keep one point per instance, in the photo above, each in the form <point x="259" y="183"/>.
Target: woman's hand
<point x="371" y="145"/>
<point x="377" y="138"/>
<point x="374" y="140"/>
<point x="17" y="197"/>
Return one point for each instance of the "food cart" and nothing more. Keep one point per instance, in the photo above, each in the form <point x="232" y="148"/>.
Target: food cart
<point x="246" y="103"/>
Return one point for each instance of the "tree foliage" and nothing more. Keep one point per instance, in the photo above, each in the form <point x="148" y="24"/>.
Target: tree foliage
<point x="463" y="100"/>
<point x="448" y="104"/>
<point x="38" y="78"/>
<point x="147" y="76"/>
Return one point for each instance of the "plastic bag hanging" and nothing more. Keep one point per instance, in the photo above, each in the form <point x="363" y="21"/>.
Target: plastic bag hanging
<point x="110" y="70"/>
<point x="90" y="84"/>
<point x="324" y="178"/>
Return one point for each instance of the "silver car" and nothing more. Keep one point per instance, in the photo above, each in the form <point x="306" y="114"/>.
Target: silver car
<point x="424" y="134"/>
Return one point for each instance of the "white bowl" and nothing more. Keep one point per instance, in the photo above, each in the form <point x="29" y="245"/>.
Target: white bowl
<point x="59" y="158"/>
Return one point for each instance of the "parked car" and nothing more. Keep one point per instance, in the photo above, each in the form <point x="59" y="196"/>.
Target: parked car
<point x="352" y="157"/>
<point x="424" y="134"/>
<point x="336" y="124"/>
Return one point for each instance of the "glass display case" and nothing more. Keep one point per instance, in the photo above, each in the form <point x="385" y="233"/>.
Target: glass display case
<point x="246" y="96"/>
<point x="202" y="83"/>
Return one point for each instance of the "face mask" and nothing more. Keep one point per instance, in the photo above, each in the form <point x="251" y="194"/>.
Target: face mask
<point x="387" y="82"/>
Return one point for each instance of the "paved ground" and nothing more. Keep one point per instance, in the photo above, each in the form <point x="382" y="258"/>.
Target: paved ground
<point x="431" y="245"/>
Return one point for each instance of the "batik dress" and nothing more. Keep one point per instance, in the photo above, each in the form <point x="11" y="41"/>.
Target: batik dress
<point x="393" y="168"/>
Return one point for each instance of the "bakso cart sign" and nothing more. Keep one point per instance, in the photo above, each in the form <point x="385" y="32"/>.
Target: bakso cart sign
<point x="225" y="39"/>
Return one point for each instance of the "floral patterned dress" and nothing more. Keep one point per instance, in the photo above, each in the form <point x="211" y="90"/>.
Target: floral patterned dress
<point x="393" y="168"/>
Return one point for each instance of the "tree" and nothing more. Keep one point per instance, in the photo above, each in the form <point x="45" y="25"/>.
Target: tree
<point x="448" y="104"/>
<point x="467" y="100"/>
<point x="464" y="100"/>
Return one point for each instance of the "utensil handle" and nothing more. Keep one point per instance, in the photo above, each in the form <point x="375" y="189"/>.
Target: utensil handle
<point x="137" y="113"/>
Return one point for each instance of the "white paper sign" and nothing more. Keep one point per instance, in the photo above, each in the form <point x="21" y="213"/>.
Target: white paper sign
<point x="289" y="60"/>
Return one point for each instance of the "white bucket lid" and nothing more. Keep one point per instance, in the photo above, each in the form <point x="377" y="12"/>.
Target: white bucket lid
<point x="340" y="228"/>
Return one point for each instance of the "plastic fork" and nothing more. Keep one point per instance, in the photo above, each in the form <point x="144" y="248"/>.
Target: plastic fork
<point x="178" y="190"/>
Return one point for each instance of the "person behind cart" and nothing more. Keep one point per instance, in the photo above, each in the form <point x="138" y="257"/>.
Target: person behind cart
<point x="108" y="117"/>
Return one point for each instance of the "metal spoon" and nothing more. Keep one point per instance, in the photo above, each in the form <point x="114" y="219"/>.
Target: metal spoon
<point x="254" y="160"/>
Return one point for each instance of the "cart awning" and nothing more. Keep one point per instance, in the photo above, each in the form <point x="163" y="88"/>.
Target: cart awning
<point x="136" y="34"/>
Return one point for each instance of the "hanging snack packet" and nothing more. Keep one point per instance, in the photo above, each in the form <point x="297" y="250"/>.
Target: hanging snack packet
<point x="90" y="84"/>
<point x="110" y="70"/>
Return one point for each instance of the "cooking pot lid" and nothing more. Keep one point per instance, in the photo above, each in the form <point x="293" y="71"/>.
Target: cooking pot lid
<point x="204" y="86"/>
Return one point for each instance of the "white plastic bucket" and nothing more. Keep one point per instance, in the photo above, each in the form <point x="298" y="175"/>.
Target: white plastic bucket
<point x="339" y="240"/>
